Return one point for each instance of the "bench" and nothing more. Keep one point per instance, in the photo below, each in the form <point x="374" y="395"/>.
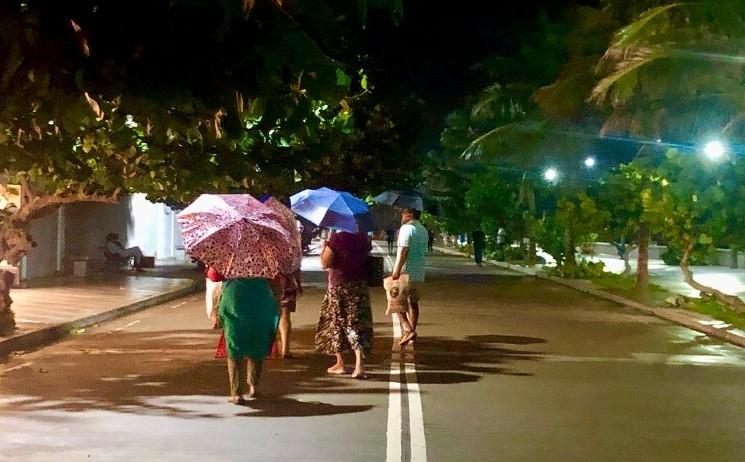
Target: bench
<point x="113" y="261"/>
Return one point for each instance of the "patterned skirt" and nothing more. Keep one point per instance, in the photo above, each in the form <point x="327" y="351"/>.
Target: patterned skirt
<point x="346" y="319"/>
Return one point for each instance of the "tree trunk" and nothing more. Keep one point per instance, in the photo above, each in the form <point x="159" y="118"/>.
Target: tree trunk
<point x="569" y="248"/>
<point x="731" y="301"/>
<point x="531" y="228"/>
<point x="625" y="257"/>
<point x="15" y="240"/>
<point x="7" y="317"/>
<point x="642" y="259"/>
<point x="532" y="258"/>
<point x="733" y="256"/>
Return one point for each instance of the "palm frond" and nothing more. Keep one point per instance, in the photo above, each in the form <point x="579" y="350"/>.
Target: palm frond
<point x="622" y="81"/>
<point x="489" y="96"/>
<point x="637" y="31"/>
<point x="503" y="140"/>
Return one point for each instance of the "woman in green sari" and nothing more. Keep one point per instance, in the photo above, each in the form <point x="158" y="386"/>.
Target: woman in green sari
<point x="249" y="316"/>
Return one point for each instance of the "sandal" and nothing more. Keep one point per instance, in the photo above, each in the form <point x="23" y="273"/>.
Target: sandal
<point x="239" y="400"/>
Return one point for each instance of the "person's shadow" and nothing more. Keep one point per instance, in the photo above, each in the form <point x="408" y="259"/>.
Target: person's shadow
<point x="174" y="373"/>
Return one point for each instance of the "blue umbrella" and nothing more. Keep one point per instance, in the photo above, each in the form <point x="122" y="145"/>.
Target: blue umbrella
<point x="327" y="208"/>
<point x="400" y="199"/>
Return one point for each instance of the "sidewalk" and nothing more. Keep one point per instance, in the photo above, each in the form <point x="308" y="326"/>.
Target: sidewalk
<point x="698" y="322"/>
<point x="46" y="314"/>
<point x="728" y="280"/>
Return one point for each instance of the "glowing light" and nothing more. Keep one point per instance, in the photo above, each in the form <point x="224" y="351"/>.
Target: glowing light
<point x="589" y="162"/>
<point x="551" y="174"/>
<point x="714" y="150"/>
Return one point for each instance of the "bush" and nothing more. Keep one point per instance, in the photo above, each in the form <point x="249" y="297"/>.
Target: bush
<point x="513" y="253"/>
<point x="672" y="256"/>
<point x="582" y="270"/>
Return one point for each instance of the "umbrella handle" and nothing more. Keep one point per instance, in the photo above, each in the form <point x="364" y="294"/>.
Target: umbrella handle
<point x="230" y="264"/>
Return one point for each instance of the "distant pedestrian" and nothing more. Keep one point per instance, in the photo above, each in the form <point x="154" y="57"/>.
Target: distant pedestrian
<point x="410" y="259"/>
<point x="501" y="243"/>
<point x="346" y="320"/>
<point x="248" y="314"/>
<point x="430" y="241"/>
<point x="390" y="235"/>
<point x="479" y="243"/>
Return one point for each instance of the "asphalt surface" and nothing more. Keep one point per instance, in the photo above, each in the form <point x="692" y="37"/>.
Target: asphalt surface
<point x="508" y="368"/>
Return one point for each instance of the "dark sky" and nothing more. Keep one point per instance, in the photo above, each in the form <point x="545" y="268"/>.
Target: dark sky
<point x="436" y="44"/>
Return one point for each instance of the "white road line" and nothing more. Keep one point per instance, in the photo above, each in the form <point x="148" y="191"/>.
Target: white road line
<point x="416" y="416"/>
<point x="177" y="305"/>
<point x="10" y="369"/>
<point x="393" y="434"/>
<point x="418" y="442"/>
<point x="127" y="325"/>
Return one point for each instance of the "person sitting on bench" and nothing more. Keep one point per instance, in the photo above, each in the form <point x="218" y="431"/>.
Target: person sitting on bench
<point x="115" y="247"/>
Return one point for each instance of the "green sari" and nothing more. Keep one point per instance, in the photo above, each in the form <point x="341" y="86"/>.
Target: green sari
<point x="249" y="316"/>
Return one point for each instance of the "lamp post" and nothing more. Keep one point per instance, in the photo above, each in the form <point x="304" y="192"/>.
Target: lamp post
<point x="551" y="175"/>
<point x="589" y="162"/>
<point x="714" y="150"/>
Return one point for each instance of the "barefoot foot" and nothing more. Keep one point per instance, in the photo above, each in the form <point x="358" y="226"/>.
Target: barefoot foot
<point x="338" y="370"/>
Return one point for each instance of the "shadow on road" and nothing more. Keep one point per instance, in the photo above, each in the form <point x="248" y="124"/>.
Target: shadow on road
<point x="173" y="372"/>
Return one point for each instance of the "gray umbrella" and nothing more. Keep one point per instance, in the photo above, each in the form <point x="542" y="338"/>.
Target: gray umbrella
<point x="400" y="199"/>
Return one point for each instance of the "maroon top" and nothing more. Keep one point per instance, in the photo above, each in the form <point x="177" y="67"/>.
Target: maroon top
<point x="350" y="257"/>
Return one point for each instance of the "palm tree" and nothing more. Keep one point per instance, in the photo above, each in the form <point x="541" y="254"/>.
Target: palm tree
<point x="675" y="73"/>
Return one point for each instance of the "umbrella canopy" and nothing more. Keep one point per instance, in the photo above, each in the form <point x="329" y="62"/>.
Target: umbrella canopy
<point x="237" y="235"/>
<point x="333" y="209"/>
<point x="290" y="224"/>
<point x="400" y="199"/>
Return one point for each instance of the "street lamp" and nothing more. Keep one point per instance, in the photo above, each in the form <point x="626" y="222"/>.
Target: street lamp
<point x="551" y="174"/>
<point x="589" y="162"/>
<point x="714" y="150"/>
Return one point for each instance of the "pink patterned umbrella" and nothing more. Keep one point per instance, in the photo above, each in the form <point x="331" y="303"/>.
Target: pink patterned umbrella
<point x="237" y="235"/>
<point x="290" y="223"/>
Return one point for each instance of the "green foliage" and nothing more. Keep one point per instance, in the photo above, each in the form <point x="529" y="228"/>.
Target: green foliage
<point x="582" y="270"/>
<point x="692" y="203"/>
<point x="201" y="96"/>
<point x="701" y="257"/>
<point x="620" y="196"/>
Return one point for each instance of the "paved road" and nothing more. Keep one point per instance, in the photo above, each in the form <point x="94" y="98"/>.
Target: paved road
<point x="507" y="368"/>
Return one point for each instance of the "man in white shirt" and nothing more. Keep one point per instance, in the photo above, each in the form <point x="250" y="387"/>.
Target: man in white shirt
<point x="410" y="259"/>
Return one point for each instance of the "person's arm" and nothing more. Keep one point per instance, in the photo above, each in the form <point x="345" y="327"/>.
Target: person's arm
<point x="327" y="256"/>
<point x="213" y="292"/>
<point x="403" y="253"/>
<point x="404" y="235"/>
<point x="298" y="282"/>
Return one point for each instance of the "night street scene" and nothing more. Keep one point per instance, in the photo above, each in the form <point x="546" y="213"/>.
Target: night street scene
<point x="372" y="230"/>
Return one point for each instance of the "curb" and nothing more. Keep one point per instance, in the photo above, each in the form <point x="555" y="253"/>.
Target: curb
<point x="47" y="335"/>
<point x="668" y="314"/>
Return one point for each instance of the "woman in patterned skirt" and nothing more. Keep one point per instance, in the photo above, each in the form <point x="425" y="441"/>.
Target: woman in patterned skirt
<point x="346" y="316"/>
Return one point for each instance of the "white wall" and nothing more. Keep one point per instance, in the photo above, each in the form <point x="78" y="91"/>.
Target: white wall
<point x="143" y="230"/>
<point x="42" y="260"/>
<point x="154" y="229"/>
<point x="138" y="222"/>
<point x="89" y="223"/>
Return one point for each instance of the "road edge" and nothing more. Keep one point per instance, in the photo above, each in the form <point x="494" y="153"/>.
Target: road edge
<point x="45" y="336"/>
<point x="668" y="314"/>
